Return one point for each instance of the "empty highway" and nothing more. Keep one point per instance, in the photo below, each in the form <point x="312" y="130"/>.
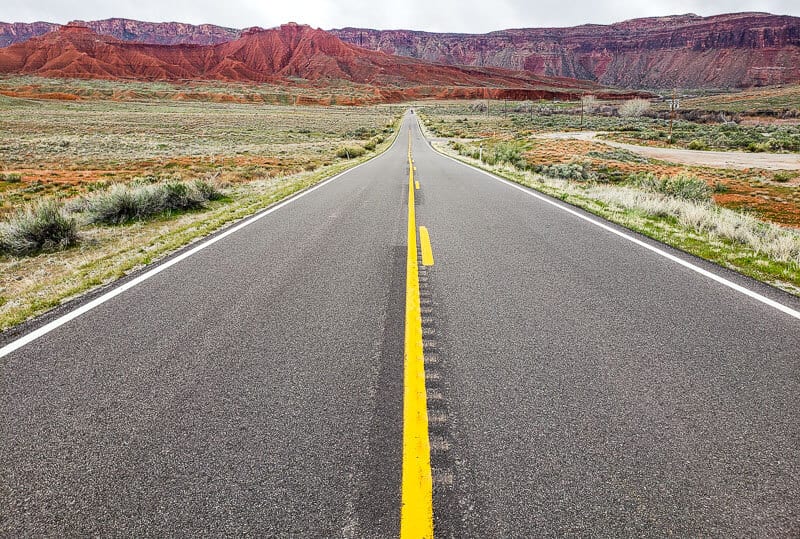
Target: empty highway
<point x="579" y="380"/>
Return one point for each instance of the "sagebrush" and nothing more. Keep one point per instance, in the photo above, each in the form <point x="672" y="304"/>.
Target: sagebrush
<point x="123" y="204"/>
<point x="43" y="227"/>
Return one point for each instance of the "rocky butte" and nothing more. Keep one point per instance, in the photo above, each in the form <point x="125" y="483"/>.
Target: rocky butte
<point x="155" y="33"/>
<point x="282" y="54"/>
<point x="724" y="51"/>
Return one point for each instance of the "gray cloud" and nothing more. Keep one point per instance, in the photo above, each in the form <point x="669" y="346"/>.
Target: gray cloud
<point x="441" y="15"/>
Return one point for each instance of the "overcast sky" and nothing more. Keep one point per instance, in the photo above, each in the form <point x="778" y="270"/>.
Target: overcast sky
<point x="476" y="16"/>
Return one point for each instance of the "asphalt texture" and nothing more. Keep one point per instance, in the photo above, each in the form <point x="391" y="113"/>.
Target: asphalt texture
<point x="254" y="388"/>
<point x="593" y="388"/>
<point x="578" y="384"/>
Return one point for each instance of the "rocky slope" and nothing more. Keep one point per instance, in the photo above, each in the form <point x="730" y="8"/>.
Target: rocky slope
<point x="735" y="50"/>
<point x="165" y="33"/>
<point x="724" y="51"/>
<point x="18" y="32"/>
<point x="156" y="33"/>
<point x="278" y="55"/>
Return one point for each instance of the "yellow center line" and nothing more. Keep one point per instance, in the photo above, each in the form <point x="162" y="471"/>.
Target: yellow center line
<point x="425" y="246"/>
<point x="416" y="184"/>
<point x="416" y="512"/>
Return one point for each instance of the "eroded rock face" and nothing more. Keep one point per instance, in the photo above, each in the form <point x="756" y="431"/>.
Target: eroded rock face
<point x="735" y="50"/>
<point x="166" y="33"/>
<point x="289" y="52"/>
<point x="18" y="32"/>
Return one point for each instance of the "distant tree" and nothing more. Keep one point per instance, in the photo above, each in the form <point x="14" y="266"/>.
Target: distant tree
<point x="634" y="108"/>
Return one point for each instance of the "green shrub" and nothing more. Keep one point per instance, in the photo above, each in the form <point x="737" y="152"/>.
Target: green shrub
<point x="698" y="144"/>
<point x="119" y="205"/>
<point x="207" y="190"/>
<point x="148" y="179"/>
<point x="40" y="228"/>
<point x="785" y="142"/>
<point x="179" y="196"/>
<point x="509" y="153"/>
<point x="606" y="174"/>
<point x="682" y="186"/>
<point x="363" y="133"/>
<point x="123" y="204"/>
<point x="785" y="176"/>
<point x="370" y="146"/>
<point x="758" y="147"/>
<point x="97" y="186"/>
<point x="350" y="152"/>
<point x="579" y="172"/>
<point x="720" y="187"/>
<point x="619" y="154"/>
<point x="503" y="152"/>
<point x="11" y="177"/>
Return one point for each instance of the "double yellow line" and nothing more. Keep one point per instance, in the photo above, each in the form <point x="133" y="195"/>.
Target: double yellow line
<point x="416" y="514"/>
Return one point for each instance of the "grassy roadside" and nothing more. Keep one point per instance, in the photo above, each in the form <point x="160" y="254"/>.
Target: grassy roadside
<point x="710" y="129"/>
<point x="33" y="285"/>
<point x="770" y="195"/>
<point x="716" y="234"/>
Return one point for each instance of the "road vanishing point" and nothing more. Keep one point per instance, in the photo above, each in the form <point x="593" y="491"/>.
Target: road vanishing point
<point x="413" y="347"/>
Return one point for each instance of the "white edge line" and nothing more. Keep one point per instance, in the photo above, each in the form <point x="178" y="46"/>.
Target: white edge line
<point x="721" y="280"/>
<point x="83" y="309"/>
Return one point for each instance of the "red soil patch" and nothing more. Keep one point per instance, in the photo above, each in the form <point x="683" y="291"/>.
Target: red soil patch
<point x="30" y="94"/>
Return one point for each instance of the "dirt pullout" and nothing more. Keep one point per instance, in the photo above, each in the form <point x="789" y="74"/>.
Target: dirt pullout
<point x="734" y="160"/>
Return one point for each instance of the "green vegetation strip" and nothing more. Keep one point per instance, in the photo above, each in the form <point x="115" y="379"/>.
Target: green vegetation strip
<point x="109" y="253"/>
<point x="718" y="132"/>
<point x="763" y="251"/>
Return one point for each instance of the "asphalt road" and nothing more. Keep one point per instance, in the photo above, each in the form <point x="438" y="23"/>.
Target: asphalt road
<point x="578" y="384"/>
<point x="252" y="389"/>
<point x="594" y="388"/>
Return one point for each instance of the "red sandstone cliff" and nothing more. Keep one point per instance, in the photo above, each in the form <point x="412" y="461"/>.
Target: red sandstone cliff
<point x="156" y="33"/>
<point x="280" y="54"/>
<point x="18" y="32"/>
<point x="164" y="33"/>
<point x="735" y="50"/>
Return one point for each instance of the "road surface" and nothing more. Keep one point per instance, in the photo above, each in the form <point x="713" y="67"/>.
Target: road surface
<point x="578" y="383"/>
<point x="735" y="160"/>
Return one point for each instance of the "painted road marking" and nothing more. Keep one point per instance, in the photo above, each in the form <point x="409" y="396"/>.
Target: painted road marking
<point x="416" y="512"/>
<point x="83" y="309"/>
<point x="416" y="184"/>
<point x="660" y="252"/>
<point x="425" y="245"/>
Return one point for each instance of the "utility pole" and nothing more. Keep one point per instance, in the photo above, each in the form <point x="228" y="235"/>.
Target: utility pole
<point x="672" y="107"/>
<point x="582" y="99"/>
